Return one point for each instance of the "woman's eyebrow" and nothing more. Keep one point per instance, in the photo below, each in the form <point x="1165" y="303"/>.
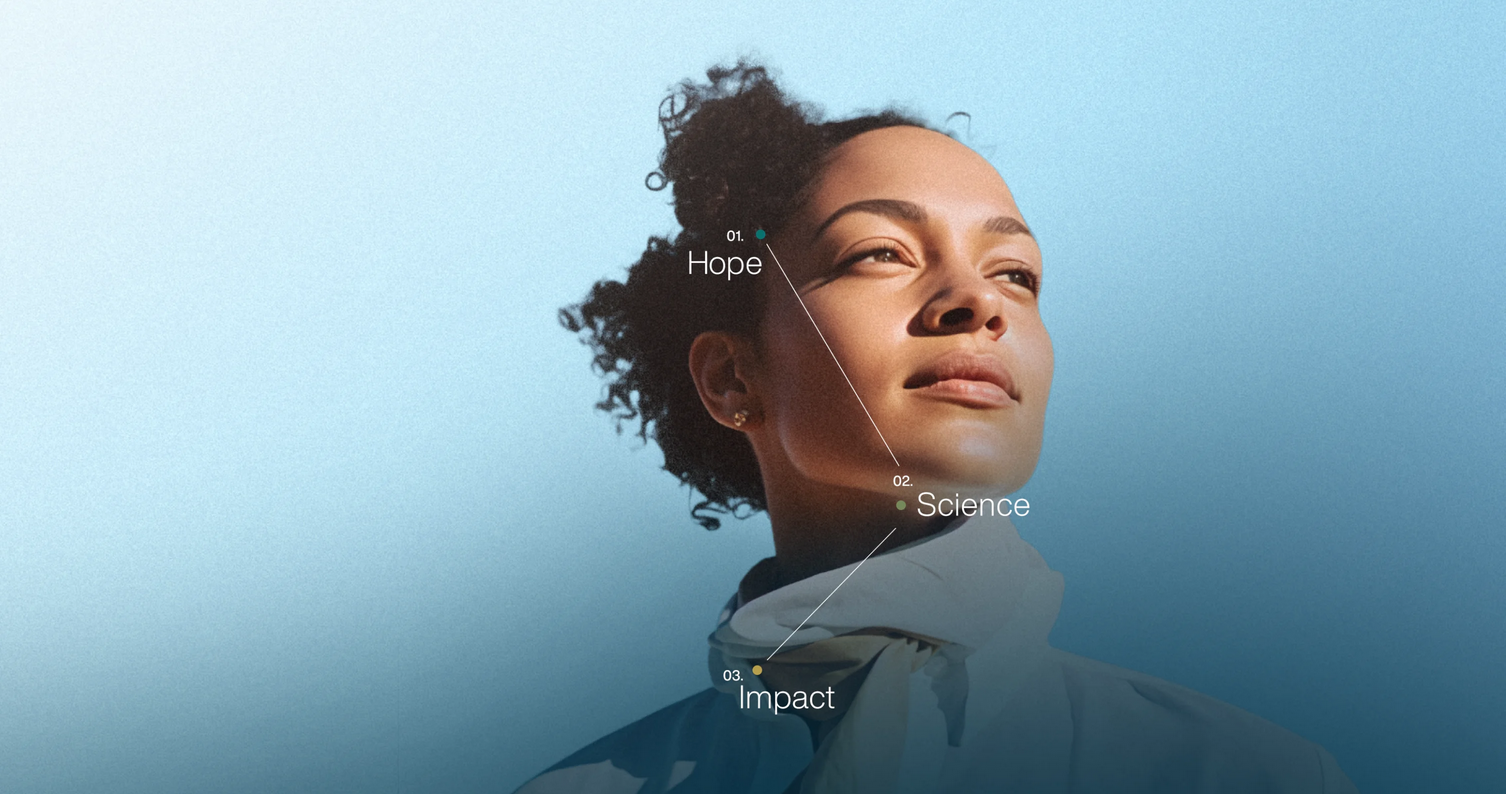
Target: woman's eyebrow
<point x="892" y="208"/>
<point x="1004" y="224"/>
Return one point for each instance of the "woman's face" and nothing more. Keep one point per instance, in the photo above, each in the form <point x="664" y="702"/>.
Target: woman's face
<point x="915" y="263"/>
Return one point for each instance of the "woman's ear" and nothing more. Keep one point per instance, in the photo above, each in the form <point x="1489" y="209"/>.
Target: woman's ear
<point x="719" y="365"/>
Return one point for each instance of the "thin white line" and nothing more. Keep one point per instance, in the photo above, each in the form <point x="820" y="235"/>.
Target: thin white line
<point x="828" y="597"/>
<point x="832" y="352"/>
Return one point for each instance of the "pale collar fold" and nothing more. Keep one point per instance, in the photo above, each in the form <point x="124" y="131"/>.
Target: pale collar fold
<point x="972" y="586"/>
<point x="961" y="585"/>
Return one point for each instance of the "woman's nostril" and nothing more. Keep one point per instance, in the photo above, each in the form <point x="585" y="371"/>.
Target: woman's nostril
<point x="956" y="317"/>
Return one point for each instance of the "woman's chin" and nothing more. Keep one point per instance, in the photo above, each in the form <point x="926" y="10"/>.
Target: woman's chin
<point x="972" y="477"/>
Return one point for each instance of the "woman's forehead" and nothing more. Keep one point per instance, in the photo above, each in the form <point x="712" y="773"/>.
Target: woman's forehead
<point x="910" y="164"/>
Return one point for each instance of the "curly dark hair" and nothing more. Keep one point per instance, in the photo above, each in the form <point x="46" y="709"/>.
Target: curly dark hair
<point x="739" y="154"/>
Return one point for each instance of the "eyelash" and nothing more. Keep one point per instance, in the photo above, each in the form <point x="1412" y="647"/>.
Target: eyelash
<point x="858" y="257"/>
<point x="1032" y="281"/>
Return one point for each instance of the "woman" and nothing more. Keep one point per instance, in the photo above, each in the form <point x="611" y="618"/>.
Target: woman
<point x="846" y="334"/>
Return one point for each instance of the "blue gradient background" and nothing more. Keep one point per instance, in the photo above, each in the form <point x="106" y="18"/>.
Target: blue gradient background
<point x="300" y="483"/>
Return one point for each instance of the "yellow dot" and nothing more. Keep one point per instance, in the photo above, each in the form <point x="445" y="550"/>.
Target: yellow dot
<point x="757" y="669"/>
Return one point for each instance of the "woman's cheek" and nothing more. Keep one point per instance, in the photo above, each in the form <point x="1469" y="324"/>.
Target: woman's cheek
<point x="1035" y="356"/>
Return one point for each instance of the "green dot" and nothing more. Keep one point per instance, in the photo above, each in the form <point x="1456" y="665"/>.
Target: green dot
<point x="758" y="234"/>
<point x="900" y="504"/>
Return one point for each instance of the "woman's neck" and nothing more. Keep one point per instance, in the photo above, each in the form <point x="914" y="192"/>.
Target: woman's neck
<point x="820" y="527"/>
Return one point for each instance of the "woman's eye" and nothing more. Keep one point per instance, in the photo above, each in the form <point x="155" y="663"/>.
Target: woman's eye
<point x="1023" y="278"/>
<point x="881" y="255"/>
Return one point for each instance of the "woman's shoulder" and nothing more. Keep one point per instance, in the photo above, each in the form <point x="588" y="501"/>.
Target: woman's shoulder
<point x="658" y="752"/>
<point x="1124" y="722"/>
<point x="1104" y="728"/>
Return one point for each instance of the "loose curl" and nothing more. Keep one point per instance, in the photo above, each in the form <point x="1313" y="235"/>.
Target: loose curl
<point x="740" y="155"/>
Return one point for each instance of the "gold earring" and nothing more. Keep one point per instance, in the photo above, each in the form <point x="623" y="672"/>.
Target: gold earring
<point x="740" y="418"/>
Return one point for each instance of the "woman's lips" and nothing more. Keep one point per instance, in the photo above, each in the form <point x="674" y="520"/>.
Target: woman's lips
<point x="973" y="379"/>
<point x="974" y="393"/>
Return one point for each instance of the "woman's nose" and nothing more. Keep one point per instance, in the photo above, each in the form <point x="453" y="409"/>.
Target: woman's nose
<point x="966" y="304"/>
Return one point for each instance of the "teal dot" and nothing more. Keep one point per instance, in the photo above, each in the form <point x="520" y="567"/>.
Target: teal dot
<point x="758" y="234"/>
<point x="900" y="504"/>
